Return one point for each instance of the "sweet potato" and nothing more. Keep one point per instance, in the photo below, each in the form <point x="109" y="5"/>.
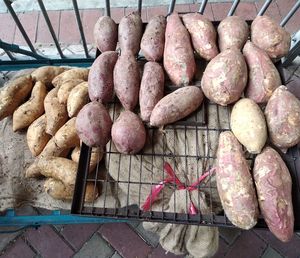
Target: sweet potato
<point x="101" y="85"/>
<point x="234" y="183"/>
<point x="127" y="80"/>
<point x="65" y="89"/>
<point x="13" y="94"/>
<point x="283" y="118"/>
<point x="56" y="113"/>
<point x="105" y="34"/>
<point x="179" y="61"/>
<point x="78" y="97"/>
<point x="128" y="133"/>
<point x="248" y="124"/>
<point x="225" y="77"/>
<point x="274" y="189"/>
<point x="152" y="89"/>
<point x="203" y="35"/>
<point x="37" y="138"/>
<point x="46" y="74"/>
<point x="270" y="37"/>
<point x="93" y="124"/>
<point x="153" y="40"/>
<point x="75" y="73"/>
<point x="263" y="75"/>
<point x="57" y="190"/>
<point x="52" y="150"/>
<point x="130" y="33"/>
<point x="176" y="105"/>
<point x="32" y="109"/>
<point x="233" y="32"/>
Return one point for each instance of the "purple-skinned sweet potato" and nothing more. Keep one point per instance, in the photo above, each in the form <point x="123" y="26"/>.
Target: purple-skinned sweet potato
<point x="203" y="35"/>
<point x="234" y="183"/>
<point x="274" y="189"/>
<point x="263" y="75"/>
<point x="179" y="61"/>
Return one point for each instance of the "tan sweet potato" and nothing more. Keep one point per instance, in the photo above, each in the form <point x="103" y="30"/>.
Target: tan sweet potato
<point x="233" y="32"/>
<point x="153" y="40"/>
<point x="75" y="73"/>
<point x="127" y="80"/>
<point x="130" y="33"/>
<point x="105" y="34"/>
<point x="274" y="189"/>
<point x="65" y="89"/>
<point x="52" y="150"/>
<point x="101" y="84"/>
<point x="37" y="138"/>
<point x="56" y="113"/>
<point x="78" y="97"/>
<point x="176" y="105"/>
<point x="225" y="77"/>
<point x="46" y="74"/>
<point x="93" y="124"/>
<point x="263" y="75"/>
<point x="270" y="36"/>
<point x="25" y="114"/>
<point x="152" y="89"/>
<point x="128" y="133"/>
<point x="234" y="183"/>
<point x="203" y="35"/>
<point x="179" y="61"/>
<point x="13" y="94"/>
<point x="248" y="124"/>
<point x="283" y="118"/>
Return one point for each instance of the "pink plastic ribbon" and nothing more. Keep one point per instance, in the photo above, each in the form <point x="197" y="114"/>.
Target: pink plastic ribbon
<point x="156" y="189"/>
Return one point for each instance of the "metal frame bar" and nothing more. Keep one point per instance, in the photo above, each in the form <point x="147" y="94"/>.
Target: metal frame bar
<point x="171" y="7"/>
<point x="264" y="8"/>
<point x="233" y="7"/>
<point x="294" y="50"/>
<point x="202" y="6"/>
<point x="140" y="7"/>
<point x="11" y="57"/>
<point x="290" y="14"/>
<point x="107" y="8"/>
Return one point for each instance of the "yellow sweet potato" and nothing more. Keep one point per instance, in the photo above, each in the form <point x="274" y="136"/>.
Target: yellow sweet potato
<point x="46" y="74"/>
<point x="65" y="89"/>
<point x="32" y="109"/>
<point x="75" y="73"/>
<point x="78" y="97"/>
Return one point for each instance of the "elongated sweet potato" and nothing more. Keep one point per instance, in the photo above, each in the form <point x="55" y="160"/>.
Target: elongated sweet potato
<point x="46" y="74"/>
<point x="233" y="32"/>
<point x="153" y="40"/>
<point x="234" y="183"/>
<point x="270" y="36"/>
<point x="283" y="118"/>
<point x="127" y="80"/>
<point x="248" y="124"/>
<point x="263" y="75"/>
<point x="274" y="189"/>
<point x="179" y="61"/>
<point x="101" y="85"/>
<point x="130" y="33"/>
<point x="176" y="105"/>
<point x="65" y="89"/>
<point x="25" y="114"/>
<point x="225" y="77"/>
<point x="78" y="97"/>
<point x="203" y="35"/>
<point x="75" y="73"/>
<point x="106" y="34"/>
<point x="96" y="156"/>
<point x="152" y="89"/>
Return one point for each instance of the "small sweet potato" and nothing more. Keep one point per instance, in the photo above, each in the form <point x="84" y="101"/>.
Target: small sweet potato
<point x="130" y="33"/>
<point x="65" y="88"/>
<point x="78" y="97"/>
<point x="101" y="85"/>
<point x="263" y="75"/>
<point x="203" y="35"/>
<point x="179" y="61"/>
<point x="234" y="183"/>
<point x="128" y="133"/>
<point x="233" y="32"/>
<point x="176" y="105"/>
<point x="225" y="77"/>
<point x="93" y="124"/>
<point x="46" y="74"/>
<point x="283" y="118"/>
<point x="274" y="189"/>
<point x="32" y="109"/>
<point x="127" y="80"/>
<point x="75" y="73"/>
<point x="153" y="40"/>
<point x="106" y="34"/>
<point x="52" y="150"/>
<point x="270" y="37"/>
<point x="152" y="89"/>
<point x="13" y="94"/>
